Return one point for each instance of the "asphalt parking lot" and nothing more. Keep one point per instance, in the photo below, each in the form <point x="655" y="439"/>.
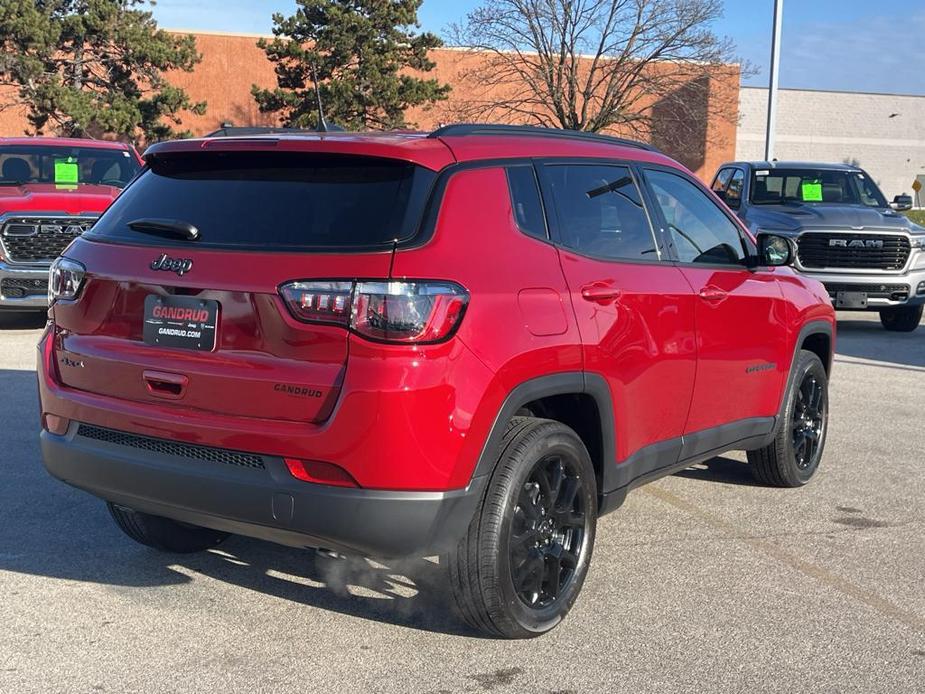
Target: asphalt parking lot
<point x="701" y="582"/>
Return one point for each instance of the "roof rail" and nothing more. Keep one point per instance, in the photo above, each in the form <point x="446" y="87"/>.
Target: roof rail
<point x="468" y="129"/>
<point x="237" y="131"/>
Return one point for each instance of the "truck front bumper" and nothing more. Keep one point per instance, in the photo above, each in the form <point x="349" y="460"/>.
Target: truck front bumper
<point x="256" y="496"/>
<point x="23" y="287"/>
<point x="882" y="290"/>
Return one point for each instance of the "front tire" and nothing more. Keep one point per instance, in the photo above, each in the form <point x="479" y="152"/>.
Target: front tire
<point x="901" y="319"/>
<point x="792" y="458"/>
<point x="520" y="567"/>
<point x="162" y="533"/>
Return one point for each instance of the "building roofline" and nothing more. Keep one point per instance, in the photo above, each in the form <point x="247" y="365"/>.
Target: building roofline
<point x="235" y="34"/>
<point x="209" y="32"/>
<point x="833" y="91"/>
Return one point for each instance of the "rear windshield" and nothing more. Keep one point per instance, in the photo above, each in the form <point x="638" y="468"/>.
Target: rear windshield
<point x="72" y="166"/>
<point x="274" y="201"/>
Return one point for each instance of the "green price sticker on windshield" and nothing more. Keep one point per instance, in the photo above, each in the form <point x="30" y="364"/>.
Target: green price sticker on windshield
<point x="66" y="171"/>
<point x="811" y="191"/>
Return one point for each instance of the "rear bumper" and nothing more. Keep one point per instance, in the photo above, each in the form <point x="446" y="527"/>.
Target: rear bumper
<point x="23" y="287"/>
<point x="265" y="503"/>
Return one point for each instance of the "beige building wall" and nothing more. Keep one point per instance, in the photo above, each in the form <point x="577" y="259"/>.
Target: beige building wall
<point x="883" y="133"/>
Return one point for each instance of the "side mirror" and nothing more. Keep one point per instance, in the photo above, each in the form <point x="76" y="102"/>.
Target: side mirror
<point x="902" y="203"/>
<point x="775" y="251"/>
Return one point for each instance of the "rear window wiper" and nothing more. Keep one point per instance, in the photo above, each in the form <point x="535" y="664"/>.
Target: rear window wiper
<point x="166" y="227"/>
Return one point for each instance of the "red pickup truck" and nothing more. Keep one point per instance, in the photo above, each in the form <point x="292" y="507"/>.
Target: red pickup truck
<point x="51" y="191"/>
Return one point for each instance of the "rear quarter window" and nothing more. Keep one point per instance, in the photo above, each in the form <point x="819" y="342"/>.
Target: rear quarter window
<point x="274" y="201"/>
<point x="525" y="201"/>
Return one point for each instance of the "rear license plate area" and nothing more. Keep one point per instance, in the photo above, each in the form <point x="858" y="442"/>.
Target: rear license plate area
<point x="183" y="322"/>
<point x="851" y="300"/>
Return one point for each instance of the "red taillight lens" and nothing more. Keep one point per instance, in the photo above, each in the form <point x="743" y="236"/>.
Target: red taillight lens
<point x="65" y="276"/>
<point x="318" y="472"/>
<point x="327" y="302"/>
<point x="407" y="311"/>
<point x="403" y="312"/>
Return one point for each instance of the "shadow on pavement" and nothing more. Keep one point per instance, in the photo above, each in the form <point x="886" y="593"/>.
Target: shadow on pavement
<point x="866" y="339"/>
<point x="51" y="529"/>
<point x="722" y="470"/>
<point x="15" y="320"/>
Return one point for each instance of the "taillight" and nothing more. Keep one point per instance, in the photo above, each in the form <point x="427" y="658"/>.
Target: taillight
<point x="403" y="312"/>
<point x="314" y="302"/>
<point x="64" y="279"/>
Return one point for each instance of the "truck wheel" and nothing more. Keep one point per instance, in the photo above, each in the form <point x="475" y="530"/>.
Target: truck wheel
<point x="792" y="458"/>
<point x="901" y="319"/>
<point x="162" y="533"/>
<point x="520" y="566"/>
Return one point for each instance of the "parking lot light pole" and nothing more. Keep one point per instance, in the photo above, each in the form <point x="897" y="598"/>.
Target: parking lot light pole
<point x="772" y="86"/>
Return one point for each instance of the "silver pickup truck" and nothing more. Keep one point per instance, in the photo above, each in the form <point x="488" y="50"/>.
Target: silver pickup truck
<point x="868" y="256"/>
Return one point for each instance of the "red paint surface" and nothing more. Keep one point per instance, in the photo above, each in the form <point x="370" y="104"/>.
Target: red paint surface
<point x="417" y="417"/>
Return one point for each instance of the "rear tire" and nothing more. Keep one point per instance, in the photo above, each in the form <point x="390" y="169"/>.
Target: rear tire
<point x="901" y="319"/>
<point x="162" y="533"/>
<point x="792" y="458"/>
<point x="520" y="567"/>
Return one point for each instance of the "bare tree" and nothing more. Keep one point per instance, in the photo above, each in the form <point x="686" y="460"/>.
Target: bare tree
<point x="635" y="66"/>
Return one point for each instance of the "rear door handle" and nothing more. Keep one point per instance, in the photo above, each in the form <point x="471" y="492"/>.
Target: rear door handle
<point x="599" y="293"/>
<point x="713" y="294"/>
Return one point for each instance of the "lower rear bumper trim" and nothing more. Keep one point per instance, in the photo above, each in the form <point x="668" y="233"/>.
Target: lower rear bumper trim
<point x="266" y="504"/>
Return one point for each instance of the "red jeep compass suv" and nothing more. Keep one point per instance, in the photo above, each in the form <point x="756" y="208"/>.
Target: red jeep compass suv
<point x="472" y="342"/>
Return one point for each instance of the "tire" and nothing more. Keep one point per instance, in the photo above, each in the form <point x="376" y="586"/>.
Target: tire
<point x="901" y="319"/>
<point x="792" y="458"/>
<point x="23" y="320"/>
<point x="162" y="533"/>
<point x="525" y="529"/>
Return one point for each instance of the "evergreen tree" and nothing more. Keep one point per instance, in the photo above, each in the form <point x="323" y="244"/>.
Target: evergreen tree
<point x="94" y="68"/>
<point x="359" y="53"/>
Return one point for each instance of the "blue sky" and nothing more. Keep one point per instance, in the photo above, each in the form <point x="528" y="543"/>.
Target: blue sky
<point x="827" y="44"/>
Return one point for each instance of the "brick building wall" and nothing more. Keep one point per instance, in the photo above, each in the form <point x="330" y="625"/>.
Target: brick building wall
<point x="232" y="63"/>
<point x="883" y="133"/>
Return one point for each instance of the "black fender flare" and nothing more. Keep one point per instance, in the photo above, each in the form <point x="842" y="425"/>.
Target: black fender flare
<point x="817" y="327"/>
<point x="563" y="383"/>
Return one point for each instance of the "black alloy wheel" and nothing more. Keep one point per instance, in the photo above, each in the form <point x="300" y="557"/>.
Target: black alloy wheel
<point x="521" y="564"/>
<point x="547" y="532"/>
<point x="792" y="456"/>
<point x="808" y="421"/>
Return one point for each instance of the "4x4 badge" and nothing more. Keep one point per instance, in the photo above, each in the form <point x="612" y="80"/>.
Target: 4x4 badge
<point x="168" y="264"/>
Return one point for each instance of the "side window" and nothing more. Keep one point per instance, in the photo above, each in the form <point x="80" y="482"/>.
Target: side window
<point x="525" y="200"/>
<point x="721" y="180"/>
<point x="600" y="211"/>
<point x="700" y="232"/>
<point x="734" y="190"/>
